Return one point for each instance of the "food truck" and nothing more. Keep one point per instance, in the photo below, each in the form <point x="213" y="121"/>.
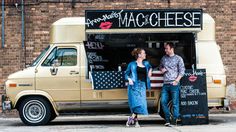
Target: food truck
<point x="63" y="78"/>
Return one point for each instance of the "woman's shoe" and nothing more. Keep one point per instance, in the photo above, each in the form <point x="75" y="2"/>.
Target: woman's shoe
<point x="130" y="121"/>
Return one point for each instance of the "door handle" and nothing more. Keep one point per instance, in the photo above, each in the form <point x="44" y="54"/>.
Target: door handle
<point x="74" y="72"/>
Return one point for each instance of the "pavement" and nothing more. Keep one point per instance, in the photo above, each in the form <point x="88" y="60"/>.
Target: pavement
<point x="218" y="122"/>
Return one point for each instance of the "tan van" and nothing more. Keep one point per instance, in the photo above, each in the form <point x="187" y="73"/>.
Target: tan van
<point x="58" y="80"/>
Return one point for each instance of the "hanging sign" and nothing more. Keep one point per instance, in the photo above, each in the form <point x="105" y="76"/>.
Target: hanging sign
<point x="120" y="19"/>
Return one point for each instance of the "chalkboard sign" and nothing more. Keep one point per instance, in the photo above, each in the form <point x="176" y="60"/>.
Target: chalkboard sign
<point x="154" y="18"/>
<point x="193" y="98"/>
<point x="98" y="55"/>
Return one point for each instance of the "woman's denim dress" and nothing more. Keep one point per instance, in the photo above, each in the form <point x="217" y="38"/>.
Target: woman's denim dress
<point x="137" y="92"/>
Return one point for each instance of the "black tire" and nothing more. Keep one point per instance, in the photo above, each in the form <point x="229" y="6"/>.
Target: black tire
<point x="53" y="116"/>
<point x="170" y="106"/>
<point x="35" y="111"/>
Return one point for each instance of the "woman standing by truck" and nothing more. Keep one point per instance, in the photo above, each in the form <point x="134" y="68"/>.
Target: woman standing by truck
<point x="138" y="74"/>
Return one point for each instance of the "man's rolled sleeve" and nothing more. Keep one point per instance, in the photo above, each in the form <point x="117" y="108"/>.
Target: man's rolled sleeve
<point x="181" y="67"/>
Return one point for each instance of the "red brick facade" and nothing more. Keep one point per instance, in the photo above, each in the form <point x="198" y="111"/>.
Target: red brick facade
<point x="40" y="16"/>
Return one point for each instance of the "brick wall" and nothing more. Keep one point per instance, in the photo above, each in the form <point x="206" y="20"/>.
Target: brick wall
<point x="38" y="19"/>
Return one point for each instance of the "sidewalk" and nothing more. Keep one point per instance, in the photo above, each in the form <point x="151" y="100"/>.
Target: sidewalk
<point x="233" y="104"/>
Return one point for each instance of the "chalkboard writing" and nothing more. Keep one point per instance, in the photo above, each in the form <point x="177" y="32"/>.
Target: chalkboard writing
<point x="193" y="97"/>
<point x="98" y="55"/>
<point x="171" y="18"/>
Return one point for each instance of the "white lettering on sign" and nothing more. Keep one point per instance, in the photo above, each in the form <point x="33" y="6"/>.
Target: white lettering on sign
<point x="140" y="16"/>
<point x="178" y="18"/>
<point x="189" y="103"/>
<point x="92" y="57"/>
<point x="104" y="18"/>
<point x="195" y="18"/>
<point x="97" y="67"/>
<point x="200" y="73"/>
<point x="183" y="103"/>
<point x="94" y="45"/>
<point x="153" y="16"/>
<point x="192" y="102"/>
<point x="131" y="20"/>
<point x="186" y="16"/>
<point x="169" y="19"/>
<point x="190" y="91"/>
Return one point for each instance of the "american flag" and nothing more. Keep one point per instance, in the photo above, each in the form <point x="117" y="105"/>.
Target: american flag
<point x="108" y="79"/>
<point x="115" y="79"/>
<point x="156" y="79"/>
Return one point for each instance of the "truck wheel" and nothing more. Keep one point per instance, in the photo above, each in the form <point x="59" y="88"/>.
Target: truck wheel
<point x="53" y="116"/>
<point x="170" y="106"/>
<point x="35" y="111"/>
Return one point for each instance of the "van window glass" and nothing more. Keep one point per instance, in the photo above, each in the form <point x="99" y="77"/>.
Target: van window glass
<point x="65" y="57"/>
<point x="51" y="57"/>
<point x="40" y="56"/>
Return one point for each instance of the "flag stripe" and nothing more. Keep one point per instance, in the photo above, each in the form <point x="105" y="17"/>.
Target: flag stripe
<point x="156" y="80"/>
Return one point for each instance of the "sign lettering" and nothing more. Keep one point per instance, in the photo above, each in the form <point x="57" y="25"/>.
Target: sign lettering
<point x="118" y="19"/>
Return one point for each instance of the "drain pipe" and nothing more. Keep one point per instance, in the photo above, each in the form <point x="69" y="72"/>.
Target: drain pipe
<point x="3" y="22"/>
<point x="22" y="24"/>
<point x="23" y="30"/>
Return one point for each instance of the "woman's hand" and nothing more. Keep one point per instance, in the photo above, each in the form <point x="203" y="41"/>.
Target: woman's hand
<point x="150" y="73"/>
<point x="130" y="81"/>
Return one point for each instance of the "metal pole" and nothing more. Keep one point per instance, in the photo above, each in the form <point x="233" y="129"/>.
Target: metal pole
<point x="3" y="22"/>
<point x="22" y="25"/>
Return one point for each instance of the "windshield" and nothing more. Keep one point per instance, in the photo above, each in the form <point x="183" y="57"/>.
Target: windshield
<point x="40" y="56"/>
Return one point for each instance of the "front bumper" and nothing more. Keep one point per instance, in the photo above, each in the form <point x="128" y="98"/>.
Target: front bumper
<point x="6" y="104"/>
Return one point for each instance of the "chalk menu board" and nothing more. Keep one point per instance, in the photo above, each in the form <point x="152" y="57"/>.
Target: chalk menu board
<point x="193" y="98"/>
<point x="98" y="55"/>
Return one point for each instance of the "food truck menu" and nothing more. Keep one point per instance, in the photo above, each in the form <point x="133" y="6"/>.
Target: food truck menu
<point x="101" y="64"/>
<point x="193" y="97"/>
<point x="97" y="58"/>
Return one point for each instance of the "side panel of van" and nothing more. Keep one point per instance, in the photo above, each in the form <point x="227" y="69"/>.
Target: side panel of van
<point x="62" y="84"/>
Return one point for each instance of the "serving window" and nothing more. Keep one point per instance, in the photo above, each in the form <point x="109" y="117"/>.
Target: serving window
<point x="119" y="46"/>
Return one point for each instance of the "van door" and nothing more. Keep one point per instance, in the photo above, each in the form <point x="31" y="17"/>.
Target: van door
<point x="58" y="75"/>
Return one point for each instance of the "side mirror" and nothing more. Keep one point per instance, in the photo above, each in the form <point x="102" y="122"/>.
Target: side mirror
<point x="55" y="63"/>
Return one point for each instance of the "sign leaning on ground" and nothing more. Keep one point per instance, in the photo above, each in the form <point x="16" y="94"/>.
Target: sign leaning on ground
<point x="193" y="97"/>
<point x="123" y="19"/>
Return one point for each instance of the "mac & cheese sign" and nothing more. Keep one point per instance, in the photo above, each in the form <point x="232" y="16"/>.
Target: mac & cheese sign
<point x="120" y="19"/>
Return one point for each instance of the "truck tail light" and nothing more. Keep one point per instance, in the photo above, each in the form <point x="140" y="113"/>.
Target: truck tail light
<point x="217" y="81"/>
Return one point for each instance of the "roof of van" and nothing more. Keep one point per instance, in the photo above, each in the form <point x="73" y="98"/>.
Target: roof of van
<point x="70" y="21"/>
<point x="207" y="18"/>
